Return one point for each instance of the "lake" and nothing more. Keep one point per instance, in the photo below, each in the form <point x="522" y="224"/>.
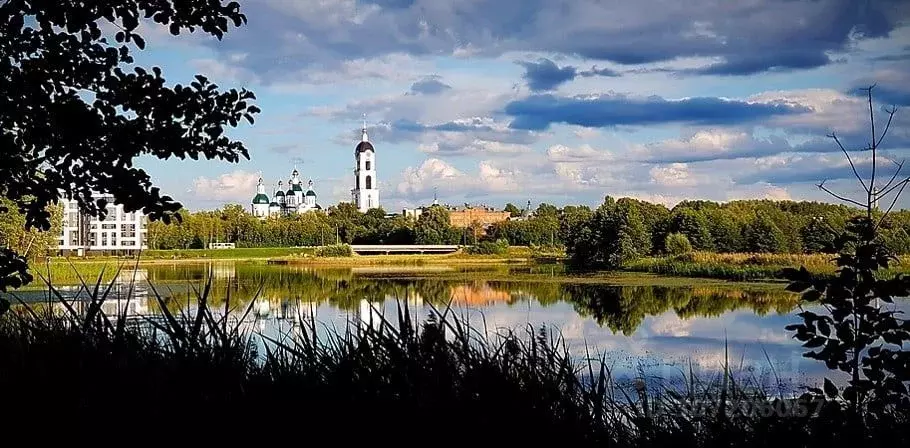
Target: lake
<point x="660" y="327"/>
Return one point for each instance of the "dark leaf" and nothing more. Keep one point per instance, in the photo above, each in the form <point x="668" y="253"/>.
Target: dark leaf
<point x="830" y="389"/>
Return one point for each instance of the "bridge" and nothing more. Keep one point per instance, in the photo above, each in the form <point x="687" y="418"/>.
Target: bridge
<point x="375" y="249"/>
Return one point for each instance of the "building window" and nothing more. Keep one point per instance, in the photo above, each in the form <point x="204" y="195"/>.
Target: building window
<point x="357" y="183"/>
<point x="369" y="182"/>
<point x="368" y="165"/>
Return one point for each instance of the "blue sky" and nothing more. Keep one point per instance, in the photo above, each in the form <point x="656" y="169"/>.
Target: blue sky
<point x="559" y="101"/>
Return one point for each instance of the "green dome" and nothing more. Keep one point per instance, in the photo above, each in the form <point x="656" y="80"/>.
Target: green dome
<point x="311" y="193"/>
<point x="279" y="193"/>
<point x="261" y="199"/>
<point x="274" y="204"/>
<point x="297" y="187"/>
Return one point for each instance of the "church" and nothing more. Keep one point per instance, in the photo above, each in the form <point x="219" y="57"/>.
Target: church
<point x="283" y="203"/>
<point x="365" y="194"/>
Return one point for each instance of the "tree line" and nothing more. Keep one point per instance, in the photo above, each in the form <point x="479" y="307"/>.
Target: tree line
<point x="621" y="230"/>
<point x="341" y="223"/>
<point x="617" y="231"/>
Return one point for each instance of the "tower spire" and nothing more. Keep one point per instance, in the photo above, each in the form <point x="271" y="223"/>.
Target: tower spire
<point x="363" y="136"/>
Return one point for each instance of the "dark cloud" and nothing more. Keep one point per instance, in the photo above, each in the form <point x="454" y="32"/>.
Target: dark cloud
<point x="430" y="85"/>
<point x="282" y="36"/>
<point x="895" y="95"/>
<point x="891" y="85"/>
<point x="805" y="171"/>
<point x="465" y="131"/>
<point x="751" y="64"/>
<point x="538" y="112"/>
<point x="546" y="75"/>
<point x="599" y="72"/>
<point x="904" y="55"/>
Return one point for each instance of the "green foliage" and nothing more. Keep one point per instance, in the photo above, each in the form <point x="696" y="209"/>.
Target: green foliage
<point x="32" y="243"/>
<point x="498" y="247"/>
<point x="513" y="210"/>
<point x="677" y="244"/>
<point x="693" y="224"/>
<point x="763" y="236"/>
<point x="818" y="237"/>
<point x="613" y="236"/>
<point x="726" y="232"/>
<point x="855" y="334"/>
<point x="537" y="230"/>
<point x="72" y="96"/>
<point x="335" y="250"/>
<point x="433" y="227"/>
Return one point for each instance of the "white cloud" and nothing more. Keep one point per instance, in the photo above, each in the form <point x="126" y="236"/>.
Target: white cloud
<point x="673" y="175"/>
<point x="237" y="186"/>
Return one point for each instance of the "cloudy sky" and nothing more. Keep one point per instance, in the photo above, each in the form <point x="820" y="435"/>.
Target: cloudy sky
<point x="560" y="101"/>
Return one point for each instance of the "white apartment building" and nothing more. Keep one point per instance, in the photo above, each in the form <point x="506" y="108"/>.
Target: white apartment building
<point x="118" y="232"/>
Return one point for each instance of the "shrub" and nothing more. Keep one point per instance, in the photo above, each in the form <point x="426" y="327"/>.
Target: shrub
<point x="335" y="250"/>
<point x="498" y="247"/>
<point x="677" y="244"/>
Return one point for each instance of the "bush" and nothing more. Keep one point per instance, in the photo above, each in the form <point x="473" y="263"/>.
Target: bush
<point x="335" y="250"/>
<point x="498" y="247"/>
<point x="677" y="244"/>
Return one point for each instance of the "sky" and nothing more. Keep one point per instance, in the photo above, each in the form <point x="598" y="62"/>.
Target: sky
<point x="557" y="101"/>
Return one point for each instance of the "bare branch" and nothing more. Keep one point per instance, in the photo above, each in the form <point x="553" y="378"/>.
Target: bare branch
<point x="890" y="113"/>
<point x="874" y="147"/>
<point x="858" y="177"/>
<point x="893" y="201"/>
<point x="900" y="166"/>
<point x="822" y="187"/>
<point x="893" y="187"/>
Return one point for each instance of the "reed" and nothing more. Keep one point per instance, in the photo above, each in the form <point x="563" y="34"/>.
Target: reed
<point x="202" y="375"/>
<point x="744" y="266"/>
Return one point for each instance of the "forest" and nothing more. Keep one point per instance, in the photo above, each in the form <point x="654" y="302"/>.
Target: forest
<point x="618" y="230"/>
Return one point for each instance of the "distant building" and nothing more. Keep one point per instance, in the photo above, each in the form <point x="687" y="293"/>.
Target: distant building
<point x="486" y="216"/>
<point x="282" y="203"/>
<point x="365" y="194"/>
<point x="119" y="231"/>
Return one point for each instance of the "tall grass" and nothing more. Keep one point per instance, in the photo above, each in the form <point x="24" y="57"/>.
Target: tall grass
<point x="743" y="266"/>
<point x="199" y="376"/>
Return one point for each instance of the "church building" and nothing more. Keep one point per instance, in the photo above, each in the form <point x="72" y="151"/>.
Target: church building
<point x="365" y="194"/>
<point x="294" y="200"/>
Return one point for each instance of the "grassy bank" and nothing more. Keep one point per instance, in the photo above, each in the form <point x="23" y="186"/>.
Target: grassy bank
<point x="744" y="266"/>
<point x="402" y="382"/>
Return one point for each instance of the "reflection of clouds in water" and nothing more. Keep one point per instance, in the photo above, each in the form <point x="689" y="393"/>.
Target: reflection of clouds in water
<point x="665" y="345"/>
<point x="669" y="324"/>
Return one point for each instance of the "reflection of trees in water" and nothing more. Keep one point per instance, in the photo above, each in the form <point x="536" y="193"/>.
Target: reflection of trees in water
<point x="620" y="308"/>
<point x="623" y="308"/>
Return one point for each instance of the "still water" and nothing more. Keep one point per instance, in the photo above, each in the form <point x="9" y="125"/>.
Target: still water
<point x="663" y="328"/>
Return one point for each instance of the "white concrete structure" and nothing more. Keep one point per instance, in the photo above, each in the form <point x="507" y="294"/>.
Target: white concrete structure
<point x="294" y="200"/>
<point x="365" y="194"/>
<point x="119" y="231"/>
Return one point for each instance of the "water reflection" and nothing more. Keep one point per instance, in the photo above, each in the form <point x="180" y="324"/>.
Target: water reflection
<point x="662" y="329"/>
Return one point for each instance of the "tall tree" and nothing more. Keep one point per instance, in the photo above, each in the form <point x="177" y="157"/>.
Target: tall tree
<point x="75" y="111"/>
<point x="433" y="227"/>
<point x="513" y="210"/>
<point x="692" y="223"/>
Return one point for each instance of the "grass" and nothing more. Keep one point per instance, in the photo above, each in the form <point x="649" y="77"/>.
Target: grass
<point x="744" y="266"/>
<point x="202" y="376"/>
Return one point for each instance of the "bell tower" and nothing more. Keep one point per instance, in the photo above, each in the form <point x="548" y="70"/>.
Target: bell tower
<point x="365" y="194"/>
